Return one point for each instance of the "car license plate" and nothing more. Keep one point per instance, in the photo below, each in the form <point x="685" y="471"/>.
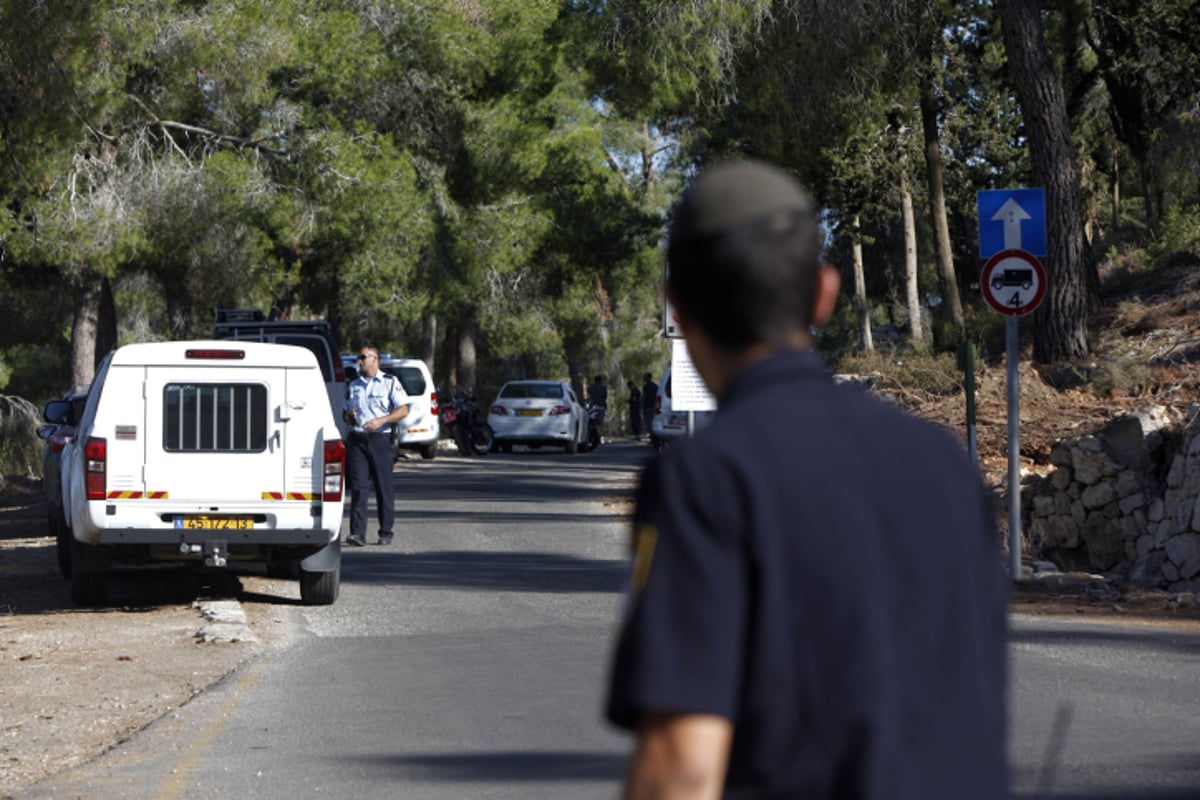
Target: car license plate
<point x="218" y="523"/>
<point x="529" y="412"/>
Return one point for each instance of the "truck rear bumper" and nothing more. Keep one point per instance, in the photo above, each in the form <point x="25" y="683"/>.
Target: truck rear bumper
<point x="233" y="537"/>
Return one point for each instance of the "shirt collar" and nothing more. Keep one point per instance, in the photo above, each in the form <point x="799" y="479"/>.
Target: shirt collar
<point x="783" y="365"/>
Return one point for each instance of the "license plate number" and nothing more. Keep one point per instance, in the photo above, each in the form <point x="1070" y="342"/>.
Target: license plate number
<point x="218" y="523"/>
<point x="529" y="412"/>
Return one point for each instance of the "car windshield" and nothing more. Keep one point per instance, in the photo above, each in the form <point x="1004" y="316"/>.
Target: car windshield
<point x="538" y="391"/>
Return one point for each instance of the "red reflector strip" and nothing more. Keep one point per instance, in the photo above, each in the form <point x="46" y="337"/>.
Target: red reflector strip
<point x="220" y="355"/>
<point x="301" y="496"/>
<point x="124" y="495"/>
<point x="272" y="495"/>
<point x="157" y="495"/>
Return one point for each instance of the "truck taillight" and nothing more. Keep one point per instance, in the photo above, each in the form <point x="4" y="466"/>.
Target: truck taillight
<point x="433" y="406"/>
<point x="335" y="467"/>
<point x="95" y="454"/>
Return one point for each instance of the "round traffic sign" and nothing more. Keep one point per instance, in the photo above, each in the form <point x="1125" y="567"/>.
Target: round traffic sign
<point x="1013" y="282"/>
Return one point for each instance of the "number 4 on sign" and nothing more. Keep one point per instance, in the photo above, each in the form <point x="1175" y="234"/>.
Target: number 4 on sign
<point x="1015" y="301"/>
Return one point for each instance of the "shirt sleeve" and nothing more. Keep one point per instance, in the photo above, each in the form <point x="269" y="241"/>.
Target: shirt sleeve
<point x="683" y="640"/>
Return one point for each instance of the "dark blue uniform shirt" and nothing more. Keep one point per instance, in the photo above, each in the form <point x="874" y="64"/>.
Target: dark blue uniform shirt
<point x="821" y="569"/>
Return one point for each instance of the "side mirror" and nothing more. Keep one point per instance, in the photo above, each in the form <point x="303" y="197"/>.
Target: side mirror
<point x="60" y="412"/>
<point x="46" y="431"/>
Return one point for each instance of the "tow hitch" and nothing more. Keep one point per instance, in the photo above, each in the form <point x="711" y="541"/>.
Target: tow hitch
<point x="216" y="553"/>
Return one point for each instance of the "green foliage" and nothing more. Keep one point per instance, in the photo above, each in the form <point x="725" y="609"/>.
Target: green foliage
<point x="508" y="165"/>
<point x="1180" y="232"/>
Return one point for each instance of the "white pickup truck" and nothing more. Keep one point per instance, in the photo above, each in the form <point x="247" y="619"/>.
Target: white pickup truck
<point x="205" y="452"/>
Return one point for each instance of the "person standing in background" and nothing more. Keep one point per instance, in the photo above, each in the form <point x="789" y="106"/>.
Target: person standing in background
<point x="375" y="402"/>
<point x="598" y="394"/>
<point x="649" y="398"/>
<point x="635" y="410"/>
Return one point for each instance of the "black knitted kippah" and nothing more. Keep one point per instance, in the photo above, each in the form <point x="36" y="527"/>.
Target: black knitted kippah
<point x="732" y="193"/>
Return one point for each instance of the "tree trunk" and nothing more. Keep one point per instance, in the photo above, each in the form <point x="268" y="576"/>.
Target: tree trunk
<point x="450" y="351"/>
<point x="179" y="319"/>
<point x="1060" y="324"/>
<point x="429" y="328"/>
<point x="88" y="295"/>
<point x="910" y="259"/>
<point x="106" y="322"/>
<point x="466" y="356"/>
<point x="860" y="288"/>
<point x="1116" y="188"/>
<point x="936" y="176"/>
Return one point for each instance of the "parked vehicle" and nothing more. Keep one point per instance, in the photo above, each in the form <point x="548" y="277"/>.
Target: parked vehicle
<point x="251" y="325"/>
<point x="669" y="424"/>
<point x="463" y="419"/>
<point x="536" y="413"/>
<point x="421" y="429"/>
<point x="205" y="453"/>
<point x="56" y="436"/>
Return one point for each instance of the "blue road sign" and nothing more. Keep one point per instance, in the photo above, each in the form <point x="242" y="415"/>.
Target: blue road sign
<point x="1012" y="219"/>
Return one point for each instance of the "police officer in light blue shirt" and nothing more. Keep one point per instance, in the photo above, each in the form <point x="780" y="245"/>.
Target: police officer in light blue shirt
<point x="375" y="403"/>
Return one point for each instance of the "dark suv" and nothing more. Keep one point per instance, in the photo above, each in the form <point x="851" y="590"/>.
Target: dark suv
<point x="56" y="434"/>
<point x="250" y="324"/>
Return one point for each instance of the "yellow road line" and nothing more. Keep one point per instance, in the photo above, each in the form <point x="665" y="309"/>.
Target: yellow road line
<point x="177" y="783"/>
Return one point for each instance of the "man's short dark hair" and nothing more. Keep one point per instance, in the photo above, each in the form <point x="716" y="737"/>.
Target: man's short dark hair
<point x="743" y="253"/>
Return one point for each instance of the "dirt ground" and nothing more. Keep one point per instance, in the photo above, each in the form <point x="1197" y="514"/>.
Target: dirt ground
<point x="76" y="682"/>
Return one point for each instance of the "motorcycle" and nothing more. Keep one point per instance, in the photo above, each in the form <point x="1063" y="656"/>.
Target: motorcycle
<point x="462" y="417"/>
<point x="595" y="425"/>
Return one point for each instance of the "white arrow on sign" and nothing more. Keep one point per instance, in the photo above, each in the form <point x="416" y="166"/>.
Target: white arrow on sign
<point x="1011" y="214"/>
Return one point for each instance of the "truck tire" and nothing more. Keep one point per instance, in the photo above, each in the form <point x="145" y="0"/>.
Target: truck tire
<point x="62" y="544"/>
<point x="428" y="451"/>
<point x="320" y="588"/>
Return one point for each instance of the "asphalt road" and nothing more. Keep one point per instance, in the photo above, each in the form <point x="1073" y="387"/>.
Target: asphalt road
<point x="1104" y="711"/>
<point x="467" y="660"/>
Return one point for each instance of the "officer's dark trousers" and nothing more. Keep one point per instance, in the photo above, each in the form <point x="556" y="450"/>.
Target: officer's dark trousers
<point x="369" y="466"/>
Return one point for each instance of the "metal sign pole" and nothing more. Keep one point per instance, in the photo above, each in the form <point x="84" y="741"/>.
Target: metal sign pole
<point x="1014" y="449"/>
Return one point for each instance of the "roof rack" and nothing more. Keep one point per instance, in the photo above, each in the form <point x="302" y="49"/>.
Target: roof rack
<point x="240" y="315"/>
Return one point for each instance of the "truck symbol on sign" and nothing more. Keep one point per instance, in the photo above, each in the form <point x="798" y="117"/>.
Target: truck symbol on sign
<point x="1013" y="277"/>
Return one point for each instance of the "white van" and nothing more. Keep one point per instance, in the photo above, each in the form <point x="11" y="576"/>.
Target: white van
<point x="669" y="424"/>
<point x="206" y="451"/>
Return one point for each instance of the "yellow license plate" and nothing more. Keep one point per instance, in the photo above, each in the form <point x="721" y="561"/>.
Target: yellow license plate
<point x="529" y="412"/>
<point x="218" y="523"/>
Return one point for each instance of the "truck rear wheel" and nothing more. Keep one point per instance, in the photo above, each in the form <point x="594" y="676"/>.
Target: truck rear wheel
<point x="428" y="451"/>
<point x="320" y="588"/>
<point x="62" y="544"/>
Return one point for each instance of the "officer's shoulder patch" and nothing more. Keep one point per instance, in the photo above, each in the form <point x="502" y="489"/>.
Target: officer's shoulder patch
<point x="645" y="537"/>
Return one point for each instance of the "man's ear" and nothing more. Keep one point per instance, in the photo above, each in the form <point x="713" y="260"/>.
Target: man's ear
<point x="829" y="282"/>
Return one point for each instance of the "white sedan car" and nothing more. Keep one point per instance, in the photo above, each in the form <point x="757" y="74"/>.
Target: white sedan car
<point x="536" y="413"/>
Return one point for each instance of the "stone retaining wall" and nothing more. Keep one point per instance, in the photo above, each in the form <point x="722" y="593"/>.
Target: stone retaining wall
<point x="1123" y="501"/>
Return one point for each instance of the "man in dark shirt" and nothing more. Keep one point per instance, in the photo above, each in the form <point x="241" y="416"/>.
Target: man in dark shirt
<point x="817" y="607"/>
<point x="598" y="394"/>
<point x="649" y="398"/>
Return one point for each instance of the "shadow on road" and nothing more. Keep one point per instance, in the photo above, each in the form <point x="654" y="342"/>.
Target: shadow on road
<point x="524" y="767"/>
<point x="505" y="572"/>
